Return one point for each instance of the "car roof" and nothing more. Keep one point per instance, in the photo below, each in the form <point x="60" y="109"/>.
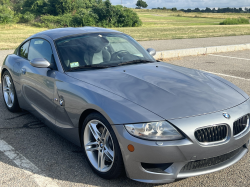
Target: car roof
<point x="62" y="32"/>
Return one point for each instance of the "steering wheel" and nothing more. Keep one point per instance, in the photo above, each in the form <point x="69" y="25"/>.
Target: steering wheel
<point x="119" y="54"/>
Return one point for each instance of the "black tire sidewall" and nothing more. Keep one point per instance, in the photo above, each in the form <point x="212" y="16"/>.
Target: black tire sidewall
<point x="15" y="107"/>
<point x="117" y="168"/>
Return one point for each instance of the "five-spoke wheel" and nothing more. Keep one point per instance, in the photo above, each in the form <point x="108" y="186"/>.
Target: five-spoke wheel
<point x="101" y="147"/>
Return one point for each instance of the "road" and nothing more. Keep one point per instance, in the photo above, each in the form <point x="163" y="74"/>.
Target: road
<point x="31" y="154"/>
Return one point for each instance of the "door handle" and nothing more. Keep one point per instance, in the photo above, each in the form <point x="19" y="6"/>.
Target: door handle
<point x="23" y="71"/>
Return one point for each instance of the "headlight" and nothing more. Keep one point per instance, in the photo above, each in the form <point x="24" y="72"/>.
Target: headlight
<point x="161" y="130"/>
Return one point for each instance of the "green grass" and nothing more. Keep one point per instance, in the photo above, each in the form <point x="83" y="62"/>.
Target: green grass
<point x="235" y="21"/>
<point x="12" y="35"/>
<point x="157" y="25"/>
<point x="160" y="25"/>
<point x="182" y="32"/>
<point x="194" y="14"/>
<point x="169" y="20"/>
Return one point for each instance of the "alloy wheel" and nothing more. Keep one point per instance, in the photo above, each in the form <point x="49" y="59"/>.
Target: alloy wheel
<point x="8" y="91"/>
<point x="99" y="145"/>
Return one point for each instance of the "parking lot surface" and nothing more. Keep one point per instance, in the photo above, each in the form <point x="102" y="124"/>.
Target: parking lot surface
<point x="31" y="154"/>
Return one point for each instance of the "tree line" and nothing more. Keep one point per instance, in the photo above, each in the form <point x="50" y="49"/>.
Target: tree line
<point x="210" y="10"/>
<point x="219" y="10"/>
<point x="65" y="13"/>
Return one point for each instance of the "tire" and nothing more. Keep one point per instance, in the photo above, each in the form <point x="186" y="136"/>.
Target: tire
<point x="110" y="165"/>
<point x="9" y="92"/>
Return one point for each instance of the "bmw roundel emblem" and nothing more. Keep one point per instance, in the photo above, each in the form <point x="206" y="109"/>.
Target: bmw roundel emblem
<point x="226" y="115"/>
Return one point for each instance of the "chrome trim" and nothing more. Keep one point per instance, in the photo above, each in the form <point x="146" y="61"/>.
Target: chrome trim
<point x="226" y="115"/>
<point x="61" y="102"/>
<point x="225" y="140"/>
<point x="246" y="129"/>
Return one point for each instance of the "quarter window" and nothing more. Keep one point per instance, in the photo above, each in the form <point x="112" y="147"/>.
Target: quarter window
<point x="24" y="50"/>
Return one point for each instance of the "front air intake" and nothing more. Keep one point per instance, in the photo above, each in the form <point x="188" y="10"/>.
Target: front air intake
<point x="205" y="163"/>
<point x="213" y="133"/>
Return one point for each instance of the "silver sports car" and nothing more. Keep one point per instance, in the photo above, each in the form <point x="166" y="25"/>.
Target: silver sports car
<point x="102" y="91"/>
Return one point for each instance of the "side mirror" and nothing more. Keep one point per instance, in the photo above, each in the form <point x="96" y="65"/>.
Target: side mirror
<point x="151" y="51"/>
<point x="40" y="63"/>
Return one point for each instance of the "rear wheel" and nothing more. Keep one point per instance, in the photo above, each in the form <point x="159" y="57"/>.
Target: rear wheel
<point x="101" y="147"/>
<point x="9" y="93"/>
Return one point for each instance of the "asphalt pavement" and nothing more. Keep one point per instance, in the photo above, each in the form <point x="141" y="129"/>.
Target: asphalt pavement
<point x="26" y="143"/>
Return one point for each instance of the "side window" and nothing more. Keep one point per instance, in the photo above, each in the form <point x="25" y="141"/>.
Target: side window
<point x="40" y="48"/>
<point x="24" y="50"/>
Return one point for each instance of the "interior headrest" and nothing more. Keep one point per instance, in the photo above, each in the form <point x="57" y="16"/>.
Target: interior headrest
<point x="96" y="44"/>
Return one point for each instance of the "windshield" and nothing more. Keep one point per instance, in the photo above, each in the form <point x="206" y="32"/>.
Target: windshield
<point x="100" y="50"/>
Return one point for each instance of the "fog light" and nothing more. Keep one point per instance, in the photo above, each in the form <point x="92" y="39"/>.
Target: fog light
<point x="131" y="148"/>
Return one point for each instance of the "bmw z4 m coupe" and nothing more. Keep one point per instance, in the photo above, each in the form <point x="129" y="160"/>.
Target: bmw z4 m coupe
<point x="130" y="113"/>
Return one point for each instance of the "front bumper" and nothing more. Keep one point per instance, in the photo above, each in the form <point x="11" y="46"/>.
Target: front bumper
<point x="176" y="154"/>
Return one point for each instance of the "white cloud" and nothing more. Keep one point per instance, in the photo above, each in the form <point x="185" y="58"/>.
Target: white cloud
<point x="186" y="3"/>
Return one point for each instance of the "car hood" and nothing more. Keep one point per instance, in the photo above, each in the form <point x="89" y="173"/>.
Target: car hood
<point x="166" y="90"/>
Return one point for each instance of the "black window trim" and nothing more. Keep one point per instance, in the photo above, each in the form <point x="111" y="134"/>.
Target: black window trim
<point x="21" y="47"/>
<point x="16" y="51"/>
<point x="29" y="40"/>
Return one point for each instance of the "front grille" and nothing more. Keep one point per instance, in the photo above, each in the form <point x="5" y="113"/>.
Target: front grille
<point x="211" y="134"/>
<point x="201" y="164"/>
<point x="240" y="125"/>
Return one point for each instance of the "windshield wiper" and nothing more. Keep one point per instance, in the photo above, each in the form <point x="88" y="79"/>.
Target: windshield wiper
<point x="135" y="62"/>
<point x="89" y="67"/>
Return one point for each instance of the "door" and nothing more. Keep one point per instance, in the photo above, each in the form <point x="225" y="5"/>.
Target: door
<point x="38" y="84"/>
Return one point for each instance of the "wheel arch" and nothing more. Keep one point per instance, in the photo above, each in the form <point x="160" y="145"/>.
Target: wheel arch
<point x="5" y="68"/>
<point x="83" y="117"/>
<point x="2" y="72"/>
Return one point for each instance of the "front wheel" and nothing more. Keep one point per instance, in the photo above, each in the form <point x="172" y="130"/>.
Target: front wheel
<point x="101" y="147"/>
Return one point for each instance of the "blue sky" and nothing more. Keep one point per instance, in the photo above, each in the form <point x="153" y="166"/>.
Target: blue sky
<point x="186" y="3"/>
